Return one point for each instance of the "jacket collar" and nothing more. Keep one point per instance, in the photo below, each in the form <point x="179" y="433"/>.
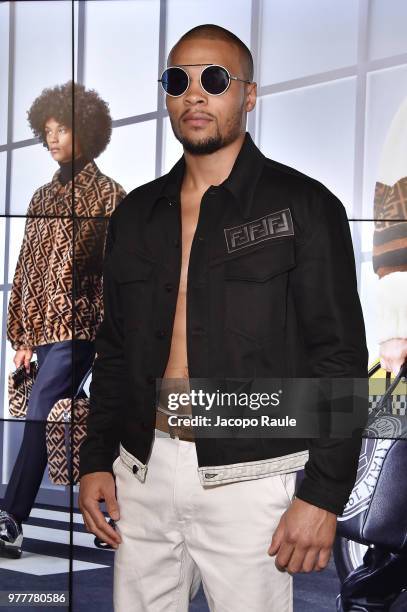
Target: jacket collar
<point x="241" y="182"/>
<point x="82" y="181"/>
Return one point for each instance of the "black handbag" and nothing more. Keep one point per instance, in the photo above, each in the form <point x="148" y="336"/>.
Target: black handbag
<point x="376" y="512"/>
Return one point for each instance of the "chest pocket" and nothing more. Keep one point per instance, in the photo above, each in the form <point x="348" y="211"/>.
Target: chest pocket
<point x="134" y="275"/>
<point x="255" y="289"/>
<point x="262" y="264"/>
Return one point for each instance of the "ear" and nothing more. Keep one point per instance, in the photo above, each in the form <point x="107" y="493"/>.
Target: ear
<point x="251" y="97"/>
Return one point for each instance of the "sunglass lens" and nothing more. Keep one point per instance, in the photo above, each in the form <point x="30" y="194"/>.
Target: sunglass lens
<point x="215" y="80"/>
<point x="175" y="81"/>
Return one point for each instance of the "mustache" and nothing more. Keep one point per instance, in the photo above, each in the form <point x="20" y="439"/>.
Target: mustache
<point x="188" y="113"/>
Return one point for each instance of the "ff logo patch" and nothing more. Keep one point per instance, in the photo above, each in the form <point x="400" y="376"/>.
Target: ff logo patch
<point x="273" y="225"/>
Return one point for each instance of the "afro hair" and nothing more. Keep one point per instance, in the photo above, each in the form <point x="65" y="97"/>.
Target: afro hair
<point x="92" y="124"/>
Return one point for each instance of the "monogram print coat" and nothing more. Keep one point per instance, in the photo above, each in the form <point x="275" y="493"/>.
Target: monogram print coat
<point x="57" y="290"/>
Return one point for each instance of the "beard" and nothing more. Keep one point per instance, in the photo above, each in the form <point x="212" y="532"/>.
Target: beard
<point x="210" y="144"/>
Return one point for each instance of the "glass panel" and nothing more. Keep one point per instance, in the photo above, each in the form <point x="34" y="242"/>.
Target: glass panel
<point x="312" y="129"/>
<point x="124" y="73"/>
<point x="172" y="147"/>
<point x="2" y="247"/>
<point x="387" y="28"/>
<point x="3" y="163"/>
<point x="386" y="132"/>
<point x="31" y="167"/>
<point x="182" y="15"/>
<point x="368" y="298"/>
<point x="15" y="241"/>
<point x="4" y="45"/>
<point x="43" y="56"/>
<point x="304" y="37"/>
<point x="130" y="156"/>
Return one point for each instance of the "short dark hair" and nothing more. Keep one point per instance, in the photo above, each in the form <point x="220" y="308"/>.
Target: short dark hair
<point x="93" y="123"/>
<point x="215" y="32"/>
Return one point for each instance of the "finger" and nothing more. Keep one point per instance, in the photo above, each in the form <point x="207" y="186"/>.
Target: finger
<point x="396" y="365"/>
<point x="97" y="518"/>
<point x="112" y="507"/>
<point x="104" y="526"/>
<point x="296" y="560"/>
<point x="109" y="535"/>
<point x="284" y="555"/>
<point x="276" y="540"/>
<point x="27" y="364"/>
<point x="101" y="535"/>
<point x="385" y="365"/>
<point x="310" y="561"/>
<point x="323" y="558"/>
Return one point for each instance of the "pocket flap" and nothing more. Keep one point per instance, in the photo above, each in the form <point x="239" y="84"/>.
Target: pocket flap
<point x="263" y="263"/>
<point x="129" y="267"/>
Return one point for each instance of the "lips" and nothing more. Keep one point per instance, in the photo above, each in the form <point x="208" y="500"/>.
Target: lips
<point x="197" y="117"/>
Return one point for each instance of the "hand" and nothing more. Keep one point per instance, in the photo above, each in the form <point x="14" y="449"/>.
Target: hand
<point x="94" y="488"/>
<point x="393" y="353"/>
<point x="303" y="538"/>
<point x="23" y="356"/>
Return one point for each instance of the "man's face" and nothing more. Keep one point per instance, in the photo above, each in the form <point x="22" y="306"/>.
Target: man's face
<point x="59" y="141"/>
<point x="201" y="122"/>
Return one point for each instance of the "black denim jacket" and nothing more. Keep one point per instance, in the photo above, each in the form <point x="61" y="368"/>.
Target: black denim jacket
<point x="271" y="292"/>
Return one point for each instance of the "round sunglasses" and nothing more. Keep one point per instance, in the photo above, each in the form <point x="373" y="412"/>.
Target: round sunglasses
<point x="215" y="80"/>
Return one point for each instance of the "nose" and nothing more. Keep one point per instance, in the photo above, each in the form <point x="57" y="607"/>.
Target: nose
<point x="53" y="136"/>
<point x="195" y="94"/>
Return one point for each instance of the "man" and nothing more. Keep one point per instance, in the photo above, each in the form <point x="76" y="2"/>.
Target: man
<point x="40" y="315"/>
<point x="279" y="304"/>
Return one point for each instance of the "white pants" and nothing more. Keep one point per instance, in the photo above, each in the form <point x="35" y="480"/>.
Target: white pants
<point x="175" y="533"/>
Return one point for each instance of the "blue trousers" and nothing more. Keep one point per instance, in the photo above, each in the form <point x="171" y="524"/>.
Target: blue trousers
<point x="53" y="382"/>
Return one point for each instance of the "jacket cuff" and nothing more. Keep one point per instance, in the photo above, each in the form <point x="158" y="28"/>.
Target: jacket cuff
<point x="392" y="306"/>
<point x="95" y="464"/>
<point x="16" y="346"/>
<point x="320" y="496"/>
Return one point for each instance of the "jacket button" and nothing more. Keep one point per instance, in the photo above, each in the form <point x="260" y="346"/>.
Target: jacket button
<point x="160" y="333"/>
<point x="135" y="469"/>
<point x="150" y="378"/>
<point x="169" y="286"/>
<point x="176" y="242"/>
<point x="201" y="238"/>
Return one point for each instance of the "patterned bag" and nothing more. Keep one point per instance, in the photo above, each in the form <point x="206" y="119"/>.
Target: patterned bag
<point x="19" y="388"/>
<point x="376" y="509"/>
<point x="60" y="437"/>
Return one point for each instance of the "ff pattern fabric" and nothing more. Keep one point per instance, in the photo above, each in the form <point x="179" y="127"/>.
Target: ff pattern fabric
<point x="59" y="249"/>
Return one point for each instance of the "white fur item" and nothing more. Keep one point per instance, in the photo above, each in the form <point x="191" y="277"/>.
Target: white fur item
<point x="392" y="306"/>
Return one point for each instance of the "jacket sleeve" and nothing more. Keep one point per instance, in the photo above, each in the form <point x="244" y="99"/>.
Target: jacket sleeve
<point x="332" y="327"/>
<point x="108" y="377"/>
<point x="15" y="328"/>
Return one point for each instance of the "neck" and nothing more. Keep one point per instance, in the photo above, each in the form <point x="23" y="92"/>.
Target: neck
<point x="201" y="171"/>
<point x="69" y="169"/>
